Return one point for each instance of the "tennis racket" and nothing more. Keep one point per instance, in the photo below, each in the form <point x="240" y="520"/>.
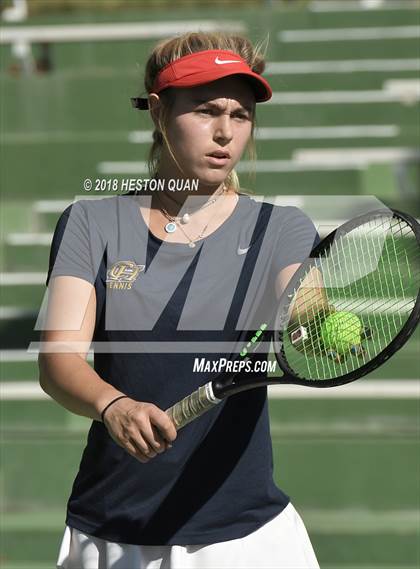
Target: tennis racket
<point x="348" y="308"/>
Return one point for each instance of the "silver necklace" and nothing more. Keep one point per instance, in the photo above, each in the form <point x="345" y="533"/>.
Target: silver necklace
<point x="191" y="242"/>
<point x="176" y="221"/>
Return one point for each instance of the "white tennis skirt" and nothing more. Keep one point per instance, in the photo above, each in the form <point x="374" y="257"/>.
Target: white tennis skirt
<point x="282" y="543"/>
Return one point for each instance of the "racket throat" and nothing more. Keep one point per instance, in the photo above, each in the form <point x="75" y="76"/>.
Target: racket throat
<point x="229" y="386"/>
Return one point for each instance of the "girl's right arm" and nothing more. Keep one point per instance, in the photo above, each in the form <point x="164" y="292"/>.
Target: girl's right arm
<point x="141" y="428"/>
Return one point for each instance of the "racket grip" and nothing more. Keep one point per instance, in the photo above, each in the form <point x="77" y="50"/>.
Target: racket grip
<point x="192" y="406"/>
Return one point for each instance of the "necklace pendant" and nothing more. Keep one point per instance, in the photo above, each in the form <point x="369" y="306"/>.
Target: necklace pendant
<point x="191" y="244"/>
<point x="170" y="227"/>
<point x="185" y="218"/>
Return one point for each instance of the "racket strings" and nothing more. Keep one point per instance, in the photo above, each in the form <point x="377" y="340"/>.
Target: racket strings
<point x="371" y="273"/>
<point x="390" y="289"/>
<point x="384" y="294"/>
<point x="315" y="309"/>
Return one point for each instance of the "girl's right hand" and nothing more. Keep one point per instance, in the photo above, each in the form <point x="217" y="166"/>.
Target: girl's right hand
<point x="142" y="429"/>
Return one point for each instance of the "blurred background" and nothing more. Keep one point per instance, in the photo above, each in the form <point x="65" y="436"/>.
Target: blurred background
<point x="343" y="125"/>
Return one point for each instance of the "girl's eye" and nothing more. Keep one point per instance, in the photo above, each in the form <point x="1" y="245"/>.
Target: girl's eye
<point x="214" y="112"/>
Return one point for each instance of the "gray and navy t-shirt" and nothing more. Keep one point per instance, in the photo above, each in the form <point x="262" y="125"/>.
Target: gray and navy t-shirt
<point x="159" y="307"/>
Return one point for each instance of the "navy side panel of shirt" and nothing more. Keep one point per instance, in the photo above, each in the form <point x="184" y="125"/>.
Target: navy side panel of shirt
<point x="216" y="483"/>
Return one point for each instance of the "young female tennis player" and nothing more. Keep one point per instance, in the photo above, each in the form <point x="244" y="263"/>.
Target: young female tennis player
<point x="159" y="279"/>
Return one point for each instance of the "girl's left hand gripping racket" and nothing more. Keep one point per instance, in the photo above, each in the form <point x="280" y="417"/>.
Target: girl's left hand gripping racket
<point x="346" y="310"/>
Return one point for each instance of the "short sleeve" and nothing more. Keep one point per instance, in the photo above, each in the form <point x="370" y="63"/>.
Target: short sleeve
<point x="296" y="238"/>
<point x="70" y="253"/>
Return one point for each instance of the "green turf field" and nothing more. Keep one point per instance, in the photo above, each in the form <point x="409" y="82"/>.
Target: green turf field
<point x="351" y="466"/>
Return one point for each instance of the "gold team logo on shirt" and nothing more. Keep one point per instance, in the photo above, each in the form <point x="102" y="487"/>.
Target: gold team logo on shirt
<point x="122" y="274"/>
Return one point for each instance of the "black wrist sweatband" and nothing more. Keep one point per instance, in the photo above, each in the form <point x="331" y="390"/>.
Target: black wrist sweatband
<point x="109" y="405"/>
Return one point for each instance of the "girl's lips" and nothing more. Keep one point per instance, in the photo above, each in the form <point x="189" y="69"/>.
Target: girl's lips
<point x="218" y="160"/>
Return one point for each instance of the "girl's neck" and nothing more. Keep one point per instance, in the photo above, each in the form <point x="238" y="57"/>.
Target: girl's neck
<point x="190" y="198"/>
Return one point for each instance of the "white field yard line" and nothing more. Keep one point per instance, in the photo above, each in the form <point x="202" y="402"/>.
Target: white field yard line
<point x="377" y="306"/>
<point x="405" y="88"/>
<point x="16" y="356"/>
<point x="352" y="157"/>
<point x="337" y="565"/>
<point x="296" y="133"/>
<point x="23" y="278"/>
<point x="341" y="66"/>
<point x="349" y="34"/>
<point x="63" y="136"/>
<point x="109" y="32"/>
<point x="40" y="565"/>
<point x="16" y="312"/>
<point x="125" y="167"/>
<point x="57" y="206"/>
<point x="366" y="389"/>
<point x="50" y="206"/>
<point x="22" y="391"/>
<point x="140" y="168"/>
<point x="355" y="96"/>
<point x="145" y="137"/>
<point x="322" y="132"/>
<point x="28" y="238"/>
<point x="368" y="425"/>
<point x="362" y="522"/>
<point x="356" y="6"/>
<point x="278" y="68"/>
<point x="314" y="160"/>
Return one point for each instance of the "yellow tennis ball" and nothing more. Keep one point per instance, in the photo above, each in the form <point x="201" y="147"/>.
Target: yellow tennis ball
<point x="340" y="331"/>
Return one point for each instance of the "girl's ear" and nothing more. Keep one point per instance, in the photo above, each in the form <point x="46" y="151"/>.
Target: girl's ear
<point x="155" y="108"/>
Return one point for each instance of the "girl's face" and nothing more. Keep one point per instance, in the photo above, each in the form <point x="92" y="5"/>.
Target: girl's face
<point x="208" y="128"/>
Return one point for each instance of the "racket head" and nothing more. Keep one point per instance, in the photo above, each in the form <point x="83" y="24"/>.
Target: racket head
<point x="361" y="262"/>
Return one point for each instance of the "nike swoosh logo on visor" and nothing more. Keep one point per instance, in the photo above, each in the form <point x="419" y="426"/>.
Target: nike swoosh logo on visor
<point x="223" y="61"/>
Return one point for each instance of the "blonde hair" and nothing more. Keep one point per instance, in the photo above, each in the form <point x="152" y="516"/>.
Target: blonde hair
<point x="171" y="49"/>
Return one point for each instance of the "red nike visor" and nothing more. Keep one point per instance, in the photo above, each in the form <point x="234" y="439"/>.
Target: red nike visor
<point x="203" y="67"/>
